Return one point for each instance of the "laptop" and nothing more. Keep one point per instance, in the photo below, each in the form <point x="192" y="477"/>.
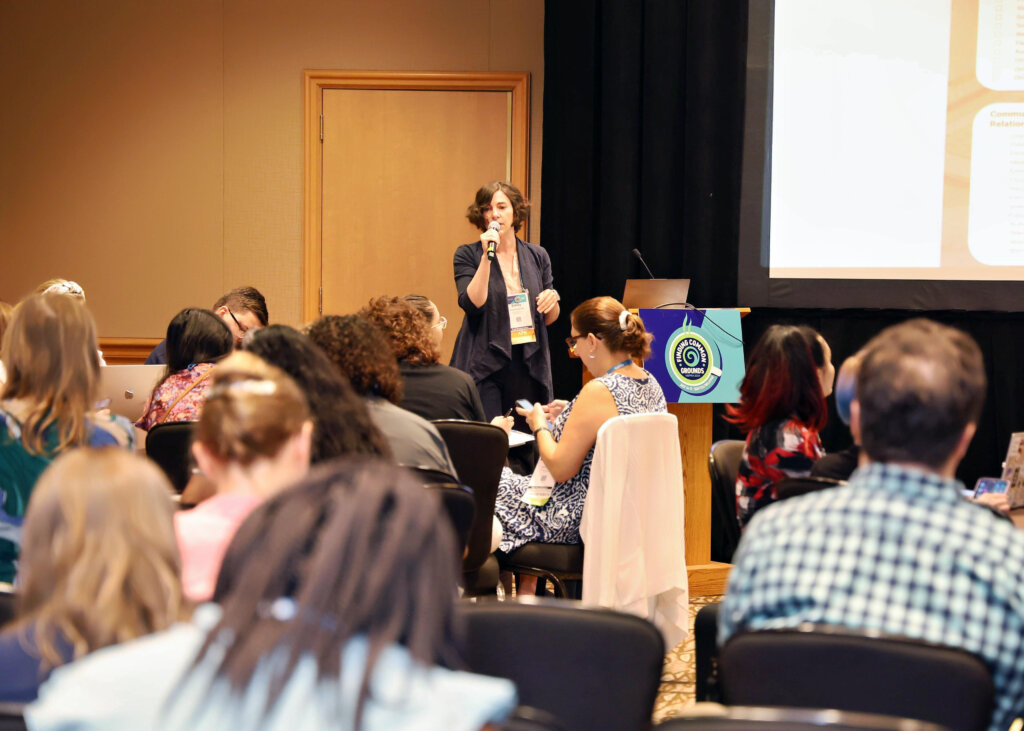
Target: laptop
<point x="128" y="387"/>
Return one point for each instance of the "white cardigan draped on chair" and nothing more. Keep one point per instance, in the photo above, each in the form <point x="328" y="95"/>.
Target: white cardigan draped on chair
<point x="632" y="526"/>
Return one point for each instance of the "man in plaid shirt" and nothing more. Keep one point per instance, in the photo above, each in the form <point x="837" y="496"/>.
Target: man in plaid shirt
<point x="897" y="550"/>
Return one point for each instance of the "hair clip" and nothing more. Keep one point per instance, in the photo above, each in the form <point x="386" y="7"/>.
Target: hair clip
<point x="623" y="319"/>
<point x="249" y="387"/>
<point x="66" y="287"/>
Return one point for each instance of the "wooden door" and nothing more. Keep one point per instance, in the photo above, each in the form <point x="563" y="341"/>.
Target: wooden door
<point x="397" y="169"/>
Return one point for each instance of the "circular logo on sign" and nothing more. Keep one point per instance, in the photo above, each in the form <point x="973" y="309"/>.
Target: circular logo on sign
<point x="693" y="362"/>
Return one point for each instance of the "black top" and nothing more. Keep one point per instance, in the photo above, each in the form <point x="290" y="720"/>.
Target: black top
<point x="837" y="465"/>
<point x="440" y="392"/>
<point x="484" y="343"/>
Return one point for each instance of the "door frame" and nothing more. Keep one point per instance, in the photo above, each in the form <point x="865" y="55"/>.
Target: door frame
<point x="316" y="81"/>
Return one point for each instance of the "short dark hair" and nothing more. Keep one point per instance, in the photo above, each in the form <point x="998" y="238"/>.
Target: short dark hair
<point x="342" y="423"/>
<point x="245" y="299"/>
<point x="782" y="380"/>
<point x="362" y="352"/>
<point x="520" y="206"/>
<point x="919" y="385"/>
<point x="196" y="336"/>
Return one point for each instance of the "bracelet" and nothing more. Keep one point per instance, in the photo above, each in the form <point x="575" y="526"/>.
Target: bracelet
<point x="538" y="431"/>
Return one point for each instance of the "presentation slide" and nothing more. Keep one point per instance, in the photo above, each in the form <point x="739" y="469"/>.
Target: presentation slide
<point x="896" y="143"/>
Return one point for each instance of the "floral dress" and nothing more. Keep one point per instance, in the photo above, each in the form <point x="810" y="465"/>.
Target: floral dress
<point x="165" y="395"/>
<point x="558" y="521"/>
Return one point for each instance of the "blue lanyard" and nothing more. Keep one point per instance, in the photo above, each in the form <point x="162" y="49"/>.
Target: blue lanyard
<point x="617" y="366"/>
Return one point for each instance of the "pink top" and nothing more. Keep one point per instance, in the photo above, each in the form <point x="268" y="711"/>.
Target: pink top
<point x="204" y="533"/>
<point x="188" y="408"/>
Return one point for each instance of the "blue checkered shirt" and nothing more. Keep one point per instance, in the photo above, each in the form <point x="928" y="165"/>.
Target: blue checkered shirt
<point x="896" y="550"/>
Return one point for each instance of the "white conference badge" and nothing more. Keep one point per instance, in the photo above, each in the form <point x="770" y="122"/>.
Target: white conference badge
<point x="541" y="485"/>
<point x="521" y="319"/>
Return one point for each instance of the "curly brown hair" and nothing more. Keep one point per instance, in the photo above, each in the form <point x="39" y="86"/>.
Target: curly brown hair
<point x="520" y="206"/>
<point x="362" y="352"/>
<point x="405" y="327"/>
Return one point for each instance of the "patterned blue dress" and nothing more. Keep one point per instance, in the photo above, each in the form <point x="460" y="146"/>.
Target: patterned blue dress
<point x="559" y="520"/>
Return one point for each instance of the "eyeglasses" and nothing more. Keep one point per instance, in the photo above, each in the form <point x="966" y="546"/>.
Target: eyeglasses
<point x="442" y="323"/>
<point x="571" y="342"/>
<point x="241" y="328"/>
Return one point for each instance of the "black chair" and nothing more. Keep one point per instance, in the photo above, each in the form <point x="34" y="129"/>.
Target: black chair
<point x="593" y="669"/>
<point x="12" y="717"/>
<point x="711" y="717"/>
<point x="170" y="446"/>
<point x="705" y="641"/>
<point x="478" y="452"/>
<point x="830" y="667"/>
<point x="459" y="505"/>
<point x="559" y="563"/>
<point x="723" y="465"/>
<point x="7" y="607"/>
<point x="794" y="486"/>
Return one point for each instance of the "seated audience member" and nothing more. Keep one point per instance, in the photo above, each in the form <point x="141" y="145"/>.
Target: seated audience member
<point x="252" y="440"/>
<point x="70" y="289"/>
<point x="840" y="465"/>
<point x="46" y="405"/>
<point x="334" y="609"/>
<point x="341" y="421"/>
<point x="364" y="356"/>
<point x="431" y="389"/>
<point x="99" y="565"/>
<point x="925" y="564"/>
<point x="782" y="409"/>
<point x="196" y="339"/>
<point x="243" y="310"/>
<point x="608" y="339"/>
<point x="5" y="317"/>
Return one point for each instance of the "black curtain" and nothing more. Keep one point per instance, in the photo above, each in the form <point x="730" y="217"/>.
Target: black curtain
<point x="643" y="132"/>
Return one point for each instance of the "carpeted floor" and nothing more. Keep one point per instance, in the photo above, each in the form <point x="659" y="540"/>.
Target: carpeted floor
<point x="678" y="676"/>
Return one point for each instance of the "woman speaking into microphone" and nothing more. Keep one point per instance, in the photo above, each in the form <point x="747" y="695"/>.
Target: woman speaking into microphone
<point x="505" y="289"/>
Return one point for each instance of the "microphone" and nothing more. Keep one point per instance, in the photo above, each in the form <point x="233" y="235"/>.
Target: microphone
<point x="493" y="226"/>
<point x="636" y="253"/>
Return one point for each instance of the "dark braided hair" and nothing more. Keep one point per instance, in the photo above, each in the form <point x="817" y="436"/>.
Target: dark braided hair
<point x="358" y="547"/>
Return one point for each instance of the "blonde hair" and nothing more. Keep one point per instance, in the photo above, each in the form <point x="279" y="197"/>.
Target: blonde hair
<point x="61" y="286"/>
<point x="49" y="351"/>
<point x="99" y="558"/>
<point x="251" y="410"/>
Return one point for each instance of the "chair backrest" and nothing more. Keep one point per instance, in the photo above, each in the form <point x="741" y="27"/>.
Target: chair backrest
<point x="723" y="465"/>
<point x="12" y="717"/>
<point x="459" y="505"/>
<point x="170" y="446"/>
<point x="632" y="523"/>
<point x="828" y="667"/>
<point x="794" y="486"/>
<point x="7" y="607"/>
<point x="593" y="669"/>
<point x="713" y="717"/>
<point x="478" y="452"/>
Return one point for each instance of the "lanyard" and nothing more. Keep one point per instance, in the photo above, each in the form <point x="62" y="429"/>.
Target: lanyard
<point x="617" y="366"/>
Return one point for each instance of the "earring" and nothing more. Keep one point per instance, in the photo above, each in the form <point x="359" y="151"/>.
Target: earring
<point x="591" y="356"/>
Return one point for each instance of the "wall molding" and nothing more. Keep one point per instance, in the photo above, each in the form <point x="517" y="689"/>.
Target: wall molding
<point x="127" y="351"/>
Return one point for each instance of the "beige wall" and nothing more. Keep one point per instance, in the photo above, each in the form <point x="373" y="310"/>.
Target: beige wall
<point x="152" y="150"/>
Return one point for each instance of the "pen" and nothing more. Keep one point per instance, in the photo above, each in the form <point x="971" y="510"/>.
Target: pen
<point x="508" y="413"/>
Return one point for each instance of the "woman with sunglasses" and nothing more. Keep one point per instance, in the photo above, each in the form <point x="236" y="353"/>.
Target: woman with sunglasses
<point x="610" y="341"/>
<point x="432" y="390"/>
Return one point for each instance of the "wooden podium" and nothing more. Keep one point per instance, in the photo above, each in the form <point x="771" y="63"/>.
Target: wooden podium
<point x="707" y="577"/>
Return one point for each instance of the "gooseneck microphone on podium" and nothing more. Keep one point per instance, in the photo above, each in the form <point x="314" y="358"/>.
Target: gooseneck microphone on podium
<point x="636" y="253"/>
<point x="492" y="226"/>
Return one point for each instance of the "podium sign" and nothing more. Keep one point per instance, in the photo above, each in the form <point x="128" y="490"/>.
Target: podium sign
<point x="696" y="355"/>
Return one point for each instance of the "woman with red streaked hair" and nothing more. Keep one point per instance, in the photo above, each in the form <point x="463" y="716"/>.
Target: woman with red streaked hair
<point x="782" y="410"/>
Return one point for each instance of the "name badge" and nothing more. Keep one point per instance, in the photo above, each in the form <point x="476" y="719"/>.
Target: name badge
<point x="521" y="319"/>
<point x="541" y="485"/>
